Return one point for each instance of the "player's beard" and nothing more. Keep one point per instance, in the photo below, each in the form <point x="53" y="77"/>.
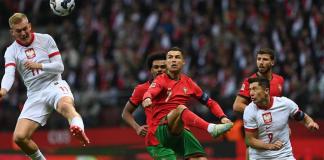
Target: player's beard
<point x="264" y="70"/>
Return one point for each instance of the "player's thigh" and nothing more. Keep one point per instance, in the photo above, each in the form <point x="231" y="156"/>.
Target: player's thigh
<point x="160" y="152"/>
<point x="36" y="108"/>
<point x="174" y="142"/>
<point x="57" y="91"/>
<point x="165" y="137"/>
<point x="174" y="120"/>
<point x="192" y="147"/>
<point x="25" y="128"/>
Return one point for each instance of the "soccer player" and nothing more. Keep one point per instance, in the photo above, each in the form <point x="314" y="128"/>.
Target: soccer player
<point x="170" y="120"/>
<point x="38" y="61"/>
<point x="265" y="61"/>
<point x="266" y="122"/>
<point x="157" y="66"/>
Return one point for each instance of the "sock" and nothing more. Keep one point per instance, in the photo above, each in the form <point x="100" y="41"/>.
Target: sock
<point x="191" y="119"/>
<point x="77" y="121"/>
<point x="37" y="155"/>
<point x="211" y="127"/>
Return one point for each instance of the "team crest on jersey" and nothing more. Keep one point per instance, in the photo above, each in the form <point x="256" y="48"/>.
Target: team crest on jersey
<point x="30" y="53"/>
<point x="185" y="90"/>
<point x="267" y="118"/>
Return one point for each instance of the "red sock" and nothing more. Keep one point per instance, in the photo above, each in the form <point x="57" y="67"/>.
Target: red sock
<point x="191" y="119"/>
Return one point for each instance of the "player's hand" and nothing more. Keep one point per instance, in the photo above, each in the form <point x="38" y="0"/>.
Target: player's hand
<point x="226" y="120"/>
<point x="313" y="126"/>
<point x="147" y="102"/>
<point x="32" y="65"/>
<point x="276" y="145"/>
<point x="3" y="92"/>
<point x="142" y="130"/>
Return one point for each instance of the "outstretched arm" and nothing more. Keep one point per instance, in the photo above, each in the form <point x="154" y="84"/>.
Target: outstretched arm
<point x="213" y="106"/>
<point x="217" y="110"/>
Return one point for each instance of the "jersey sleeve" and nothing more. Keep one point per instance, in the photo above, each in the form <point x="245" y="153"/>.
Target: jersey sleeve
<point x="282" y="83"/>
<point x="155" y="88"/>
<point x="197" y="90"/>
<point x="291" y="105"/>
<point x="10" y="67"/>
<point x="9" y="58"/>
<point x="250" y="122"/>
<point x="56" y="64"/>
<point x="244" y="91"/>
<point x="203" y="98"/>
<point x="52" y="47"/>
<point x="136" y="97"/>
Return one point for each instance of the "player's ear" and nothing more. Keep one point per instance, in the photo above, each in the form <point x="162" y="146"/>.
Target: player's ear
<point x="267" y="91"/>
<point x="272" y="63"/>
<point x="29" y="26"/>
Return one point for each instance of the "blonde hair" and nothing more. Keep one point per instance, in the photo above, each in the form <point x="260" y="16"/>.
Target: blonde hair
<point x="16" y="18"/>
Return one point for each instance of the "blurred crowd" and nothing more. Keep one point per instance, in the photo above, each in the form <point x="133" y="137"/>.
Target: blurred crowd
<point x="104" y="44"/>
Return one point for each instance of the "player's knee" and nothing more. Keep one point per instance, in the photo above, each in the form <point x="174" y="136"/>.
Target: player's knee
<point x="65" y="106"/>
<point x="19" y="138"/>
<point x="65" y="101"/>
<point x="180" y="109"/>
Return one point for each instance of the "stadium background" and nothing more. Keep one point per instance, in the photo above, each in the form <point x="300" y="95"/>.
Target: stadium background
<point x="104" y="45"/>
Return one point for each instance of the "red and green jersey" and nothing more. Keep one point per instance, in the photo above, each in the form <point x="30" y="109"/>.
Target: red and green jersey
<point x="276" y="84"/>
<point x="167" y="94"/>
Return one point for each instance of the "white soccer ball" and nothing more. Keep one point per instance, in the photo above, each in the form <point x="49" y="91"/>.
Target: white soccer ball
<point x="62" y="7"/>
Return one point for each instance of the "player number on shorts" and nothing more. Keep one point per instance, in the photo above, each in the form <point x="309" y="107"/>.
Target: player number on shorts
<point x="270" y="136"/>
<point x="64" y="89"/>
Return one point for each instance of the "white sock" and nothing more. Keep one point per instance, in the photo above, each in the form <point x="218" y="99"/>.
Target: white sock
<point x="77" y="121"/>
<point x="211" y="127"/>
<point x="37" y="155"/>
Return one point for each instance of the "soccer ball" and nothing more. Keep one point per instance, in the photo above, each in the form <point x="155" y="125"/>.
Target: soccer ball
<point x="62" y="7"/>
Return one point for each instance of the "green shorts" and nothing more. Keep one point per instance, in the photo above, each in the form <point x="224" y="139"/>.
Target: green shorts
<point x="184" y="145"/>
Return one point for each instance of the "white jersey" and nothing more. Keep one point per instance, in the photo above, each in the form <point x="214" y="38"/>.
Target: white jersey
<point x="41" y="50"/>
<point x="271" y="125"/>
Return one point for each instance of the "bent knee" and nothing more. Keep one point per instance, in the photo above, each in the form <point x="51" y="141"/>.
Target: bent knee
<point x="180" y="108"/>
<point x="20" y="138"/>
<point x="65" y="105"/>
<point x="177" y="111"/>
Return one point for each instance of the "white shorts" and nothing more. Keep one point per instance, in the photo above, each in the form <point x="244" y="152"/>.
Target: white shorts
<point x="39" y="105"/>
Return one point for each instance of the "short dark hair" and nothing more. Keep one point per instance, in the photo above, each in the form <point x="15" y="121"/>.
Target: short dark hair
<point x="176" y="49"/>
<point x="263" y="82"/>
<point x="154" y="57"/>
<point x="267" y="51"/>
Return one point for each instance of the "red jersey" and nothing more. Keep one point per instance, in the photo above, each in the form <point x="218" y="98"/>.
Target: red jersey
<point x="276" y="84"/>
<point x="167" y="94"/>
<point x="136" y="100"/>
